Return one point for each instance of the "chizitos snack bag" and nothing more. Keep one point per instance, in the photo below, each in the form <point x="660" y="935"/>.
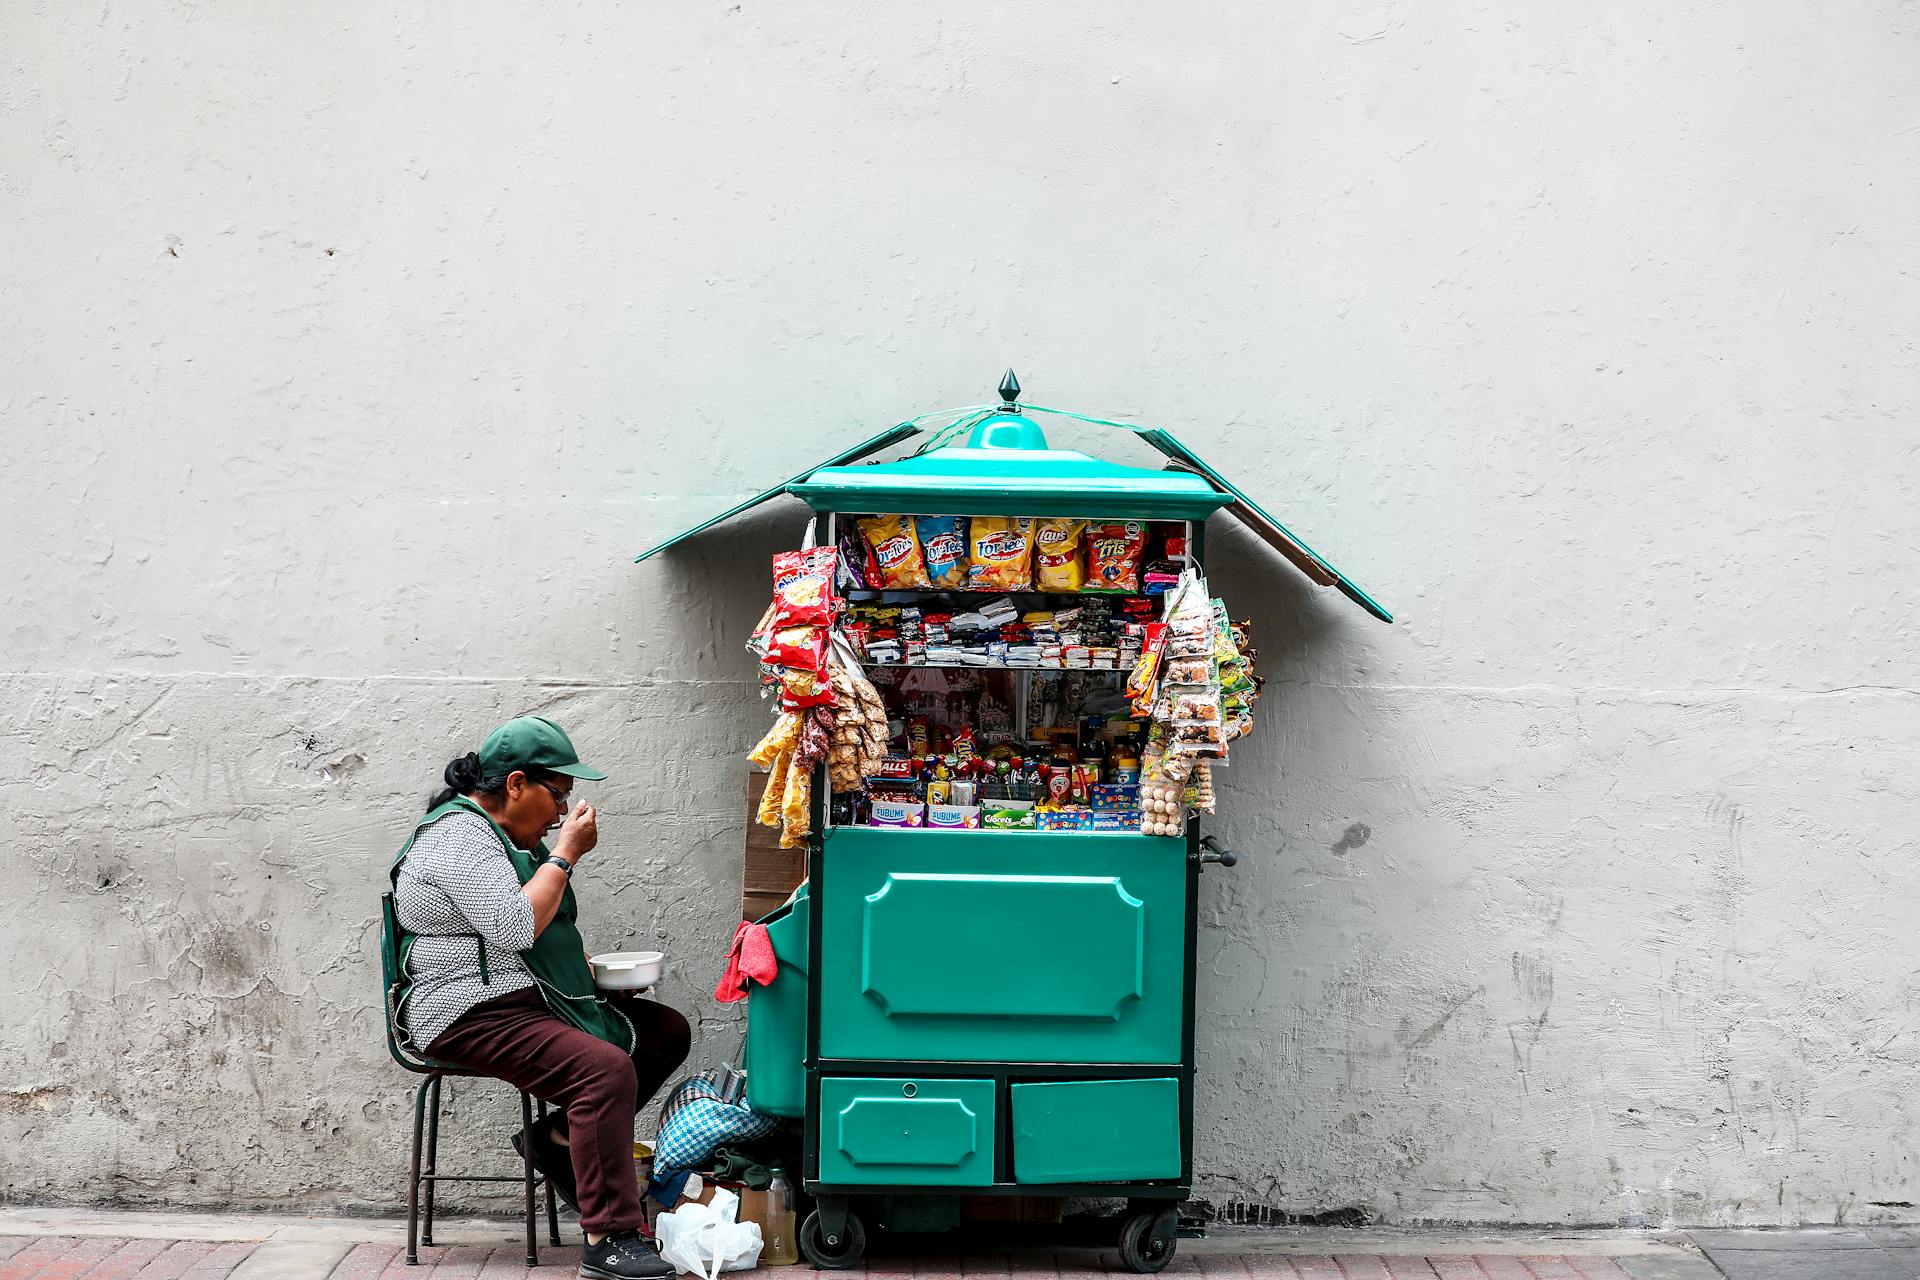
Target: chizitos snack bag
<point x="1000" y="553"/>
<point x="896" y="549"/>
<point x="943" y="541"/>
<point x="1057" y="562"/>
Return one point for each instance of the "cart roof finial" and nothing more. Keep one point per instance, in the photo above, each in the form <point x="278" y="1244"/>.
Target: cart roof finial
<point x="1009" y="393"/>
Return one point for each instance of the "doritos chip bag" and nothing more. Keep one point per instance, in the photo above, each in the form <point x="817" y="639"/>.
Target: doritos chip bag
<point x="896" y="549"/>
<point x="1057" y="563"/>
<point x="1000" y="553"/>
<point x="1114" y="548"/>
<point x="943" y="541"/>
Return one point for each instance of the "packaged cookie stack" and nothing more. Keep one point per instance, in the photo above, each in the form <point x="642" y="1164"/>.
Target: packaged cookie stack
<point x="858" y="742"/>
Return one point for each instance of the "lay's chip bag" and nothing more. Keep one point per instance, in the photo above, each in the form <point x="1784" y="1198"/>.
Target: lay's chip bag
<point x="896" y="549"/>
<point x="1057" y="561"/>
<point x="943" y="544"/>
<point x="1000" y="553"/>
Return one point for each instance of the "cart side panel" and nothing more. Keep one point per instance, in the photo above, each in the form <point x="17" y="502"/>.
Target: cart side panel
<point x="985" y="946"/>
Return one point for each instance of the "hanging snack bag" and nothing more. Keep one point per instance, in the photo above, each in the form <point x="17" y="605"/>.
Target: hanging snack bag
<point x="1193" y="671"/>
<point x="803" y="593"/>
<point x="1114" y="549"/>
<point x="896" y="552"/>
<point x="800" y="688"/>
<point x="804" y="647"/>
<point x="943" y="544"/>
<point x="1146" y="670"/>
<point x="1000" y="553"/>
<point x="1057" y="562"/>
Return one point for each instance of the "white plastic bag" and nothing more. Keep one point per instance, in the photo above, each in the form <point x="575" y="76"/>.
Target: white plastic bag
<point x="704" y="1239"/>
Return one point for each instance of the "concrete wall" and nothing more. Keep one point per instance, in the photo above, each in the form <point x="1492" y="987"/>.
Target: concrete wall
<point x="350" y="352"/>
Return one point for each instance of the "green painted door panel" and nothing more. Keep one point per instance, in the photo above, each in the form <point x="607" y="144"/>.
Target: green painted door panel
<point x="907" y="1132"/>
<point x="1036" y="970"/>
<point x="777" y="1018"/>
<point x="983" y="946"/>
<point x="1096" y="1131"/>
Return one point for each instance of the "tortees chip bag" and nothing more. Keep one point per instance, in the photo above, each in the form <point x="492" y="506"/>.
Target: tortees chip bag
<point x="1000" y="553"/>
<point x="896" y="549"/>
<point x="943" y="540"/>
<point x="1057" y="563"/>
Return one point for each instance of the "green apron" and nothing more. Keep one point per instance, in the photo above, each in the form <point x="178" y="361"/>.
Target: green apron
<point x="557" y="959"/>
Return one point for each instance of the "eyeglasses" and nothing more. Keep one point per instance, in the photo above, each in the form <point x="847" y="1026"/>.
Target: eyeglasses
<point x="562" y="799"/>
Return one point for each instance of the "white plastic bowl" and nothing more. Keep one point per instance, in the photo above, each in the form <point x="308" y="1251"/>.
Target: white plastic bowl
<point x="627" y="970"/>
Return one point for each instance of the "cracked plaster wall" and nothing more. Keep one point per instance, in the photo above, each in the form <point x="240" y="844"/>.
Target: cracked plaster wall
<point x="353" y="350"/>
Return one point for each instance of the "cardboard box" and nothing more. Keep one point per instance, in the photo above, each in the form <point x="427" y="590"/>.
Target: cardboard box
<point x="771" y="873"/>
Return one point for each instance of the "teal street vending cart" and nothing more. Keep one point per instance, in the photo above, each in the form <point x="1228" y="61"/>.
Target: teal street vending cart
<point x="998" y="1012"/>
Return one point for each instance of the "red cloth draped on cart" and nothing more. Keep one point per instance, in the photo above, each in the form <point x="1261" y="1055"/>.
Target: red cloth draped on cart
<point x="749" y="956"/>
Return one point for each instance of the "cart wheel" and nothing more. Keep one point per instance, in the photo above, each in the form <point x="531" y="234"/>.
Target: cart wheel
<point x="1139" y="1251"/>
<point x="813" y="1243"/>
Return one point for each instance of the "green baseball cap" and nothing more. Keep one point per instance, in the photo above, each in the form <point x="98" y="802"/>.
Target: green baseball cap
<point x="532" y="742"/>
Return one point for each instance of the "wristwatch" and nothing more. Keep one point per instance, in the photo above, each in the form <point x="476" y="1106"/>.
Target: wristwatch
<point x="555" y="860"/>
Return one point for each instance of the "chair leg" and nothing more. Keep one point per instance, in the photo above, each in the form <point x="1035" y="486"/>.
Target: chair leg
<point x="553" y="1213"/>
<point x="433" y="1156"/>
<point x="526" y="1125"/>
<point x="413" y="1175"/>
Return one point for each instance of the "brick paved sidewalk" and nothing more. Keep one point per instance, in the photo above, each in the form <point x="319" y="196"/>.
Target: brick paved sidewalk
<point x="102" y="1258"/>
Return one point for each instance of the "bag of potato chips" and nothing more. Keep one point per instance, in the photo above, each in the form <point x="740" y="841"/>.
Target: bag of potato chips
<point x="1057" y="562"/>
<point x="943" y="542"/>
<point x="896" y="549"/>
<point x="1000" y="553"/>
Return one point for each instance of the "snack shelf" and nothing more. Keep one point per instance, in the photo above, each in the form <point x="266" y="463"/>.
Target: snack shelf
<point x="980" y="666"/>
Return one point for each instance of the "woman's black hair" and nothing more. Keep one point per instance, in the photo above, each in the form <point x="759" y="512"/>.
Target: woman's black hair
<point x="464" y="777"/>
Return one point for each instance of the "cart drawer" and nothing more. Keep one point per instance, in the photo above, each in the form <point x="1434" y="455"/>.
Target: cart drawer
<point x="907" y="1132"/>
<point x="986" y="946"/>
<point x="1096" y="1131"/>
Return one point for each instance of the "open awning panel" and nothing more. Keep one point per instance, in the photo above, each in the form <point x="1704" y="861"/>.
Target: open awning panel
<point x="969" y="481"/>
<point x="866" y="449"/>
<point x="1263" y="525"/>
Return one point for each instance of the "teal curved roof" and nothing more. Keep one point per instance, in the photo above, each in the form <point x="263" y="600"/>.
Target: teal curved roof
<point x="970" y="481"/>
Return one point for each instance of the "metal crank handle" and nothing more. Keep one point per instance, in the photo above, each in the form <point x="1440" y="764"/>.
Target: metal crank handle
<point x="1214" y="853"/>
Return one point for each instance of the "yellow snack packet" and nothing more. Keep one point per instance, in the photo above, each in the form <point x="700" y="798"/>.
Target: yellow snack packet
<point x="1058" y="564"/>
<point x="1000" y="553"/>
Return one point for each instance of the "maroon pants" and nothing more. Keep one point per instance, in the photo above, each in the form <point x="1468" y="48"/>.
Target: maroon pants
<point x="514" y="1038"/>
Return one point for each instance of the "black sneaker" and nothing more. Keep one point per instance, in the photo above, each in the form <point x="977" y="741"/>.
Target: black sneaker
<point x="624" y="1255"/>
<point x="554" y="1162"/>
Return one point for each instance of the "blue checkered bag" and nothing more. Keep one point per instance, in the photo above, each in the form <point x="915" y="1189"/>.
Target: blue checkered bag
<point x="694" y="1121"/>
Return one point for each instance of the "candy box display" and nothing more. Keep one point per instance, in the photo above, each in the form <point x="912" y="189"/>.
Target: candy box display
<point x="1003" y="819"/>
<point x="1065" y="819"/>
<point x="899" y="813"/>
<point x="953" y="817"/>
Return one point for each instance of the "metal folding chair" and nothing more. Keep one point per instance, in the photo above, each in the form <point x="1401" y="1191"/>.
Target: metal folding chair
<point x="426" y="1116"/>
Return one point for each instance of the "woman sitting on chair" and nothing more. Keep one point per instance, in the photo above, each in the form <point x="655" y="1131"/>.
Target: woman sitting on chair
<point x="499" y="982"/>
